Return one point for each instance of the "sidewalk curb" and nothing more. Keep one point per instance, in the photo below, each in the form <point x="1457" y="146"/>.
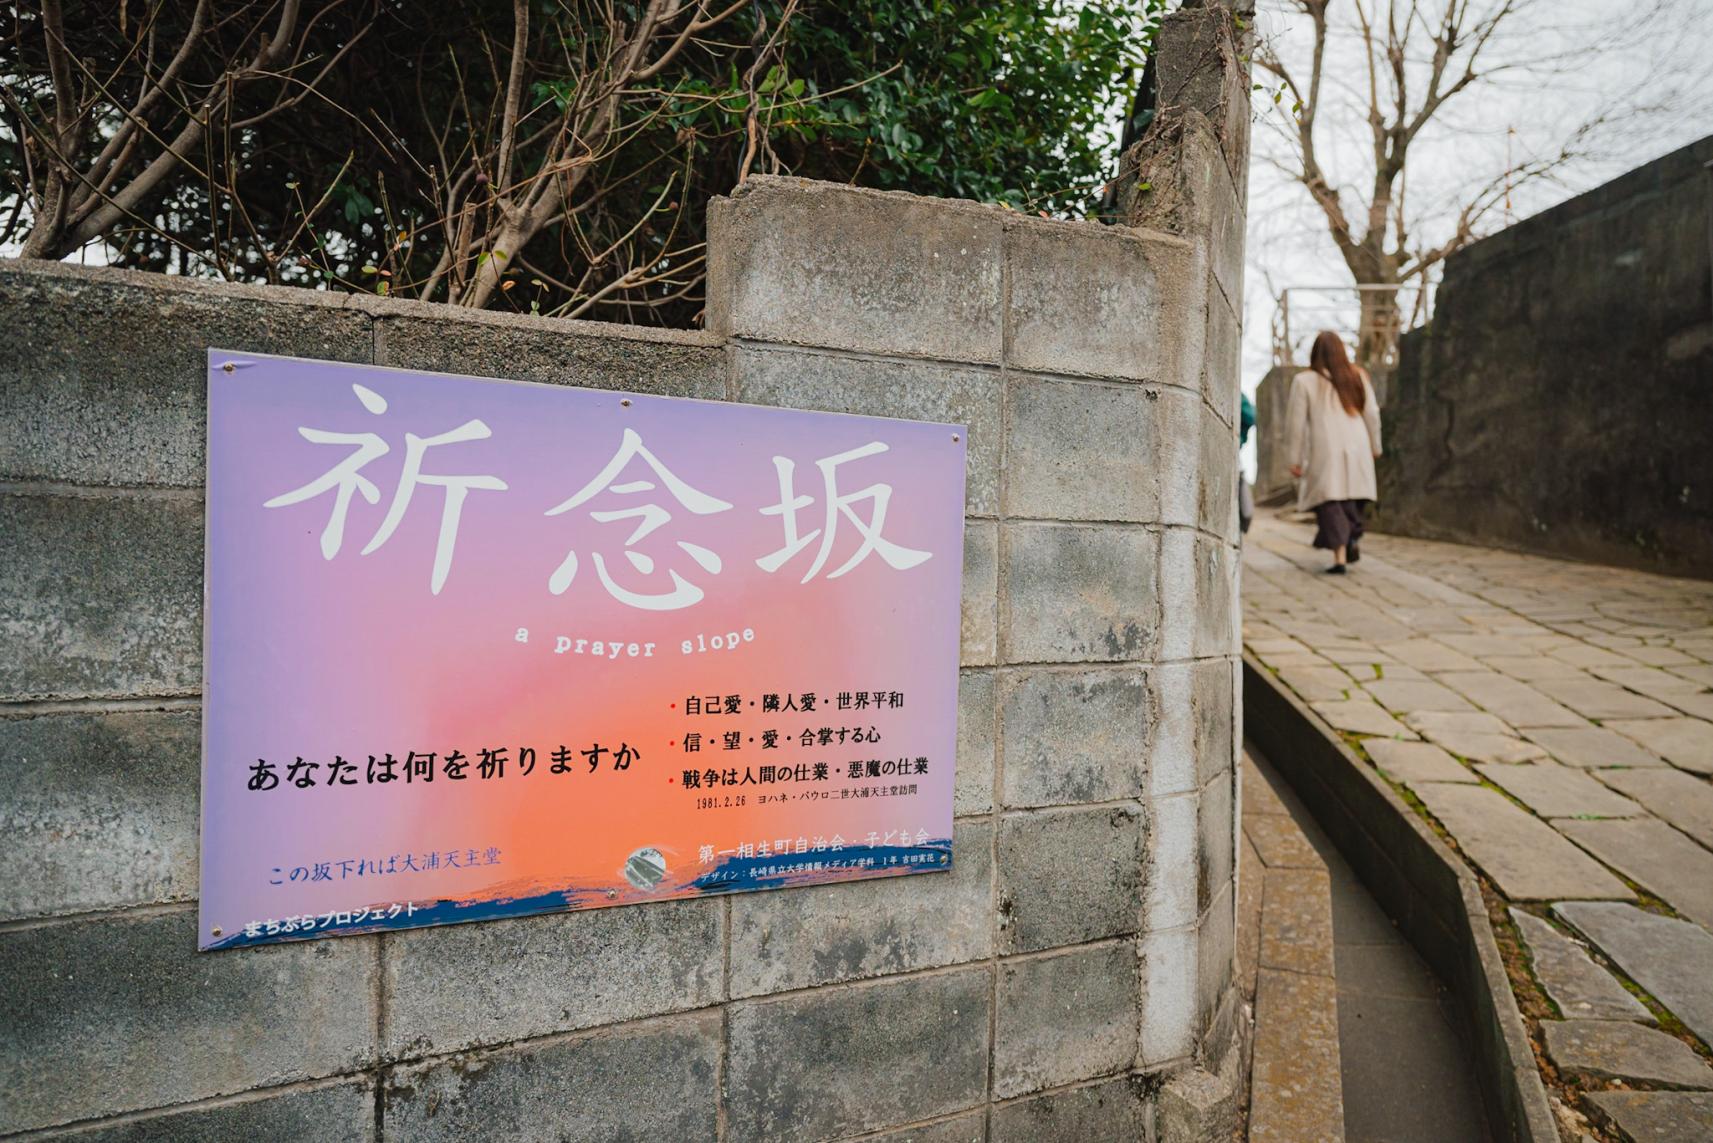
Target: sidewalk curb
<point x="1421" y="884"/>
<point x="1295" y="1085"/>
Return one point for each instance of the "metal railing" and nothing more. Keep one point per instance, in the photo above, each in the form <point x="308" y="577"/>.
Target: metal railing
<point x="1304" y="311"/>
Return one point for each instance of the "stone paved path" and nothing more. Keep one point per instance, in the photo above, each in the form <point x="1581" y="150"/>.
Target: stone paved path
<point x="1556" y="719"/>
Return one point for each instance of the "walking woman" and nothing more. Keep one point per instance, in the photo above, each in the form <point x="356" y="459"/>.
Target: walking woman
<point x="1332" y="437"/>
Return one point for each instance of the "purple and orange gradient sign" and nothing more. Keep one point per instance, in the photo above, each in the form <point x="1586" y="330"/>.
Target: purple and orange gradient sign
<point x="478" y="648"/>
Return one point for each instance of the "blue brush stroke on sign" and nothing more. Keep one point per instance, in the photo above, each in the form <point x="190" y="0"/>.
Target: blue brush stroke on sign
<point x="732" y="875"/>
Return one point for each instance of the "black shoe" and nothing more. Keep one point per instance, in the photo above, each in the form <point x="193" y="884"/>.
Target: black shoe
<point x="1336" y="569"/>
<point x="1353" y="554"/>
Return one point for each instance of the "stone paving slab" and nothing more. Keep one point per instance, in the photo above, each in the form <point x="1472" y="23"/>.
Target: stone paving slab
<point x="1480" y="646"/>
<point x="1586" y="656"/>
<point x="1619" y="1050"/>
<point x="1591" y="747"/>
<point x="1259" y="798"/>
<point x="1651" y="681"/>
<point x="1655" y="856"/>
<point x="1431" y="655"/>
<point x="1403" y="695"/>
<point x="1555" y="791"/>
<point x="1531" y="668"/>
<point x="1506" y="698"/>
<point x="1251" y="874"/>
<point x="1581" y="989"/>
<point x="1672" y="959"/>
<point x="1521" y="853"/>
<point x="1296" y="1032"/>
<point x="1596" y="698"/>
<point x="1701" y="673"/>
<point x="1296" y="659"/>
<point x="1658" y="1116"/>
<point x="1681" y="799"/>
<point x="1658" y="656"/>
<point x="1412" y="762"/>
<point x="1318" y="684"/>
<point x="1280" y="843"/>
<point x="1474" y="735"/>
<point x="1698" y="705"/>
<point x="1285" y="938"/>
<point x="1362" y="716"/>
<point x="1686" y="743"/>
<point x="1355" y="656"/>
<point x="1296" y="921"/>
<point x="1267" y="648"/>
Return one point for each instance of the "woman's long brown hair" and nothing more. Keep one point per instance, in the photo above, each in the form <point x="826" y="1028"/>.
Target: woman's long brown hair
<point x="1329" y="360"/>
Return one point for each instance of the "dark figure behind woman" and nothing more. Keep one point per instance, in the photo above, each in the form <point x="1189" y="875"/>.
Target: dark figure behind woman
<point x="1332" y="435"/>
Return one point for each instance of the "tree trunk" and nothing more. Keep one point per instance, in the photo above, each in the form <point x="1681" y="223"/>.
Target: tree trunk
<point x="1378" y="327"/>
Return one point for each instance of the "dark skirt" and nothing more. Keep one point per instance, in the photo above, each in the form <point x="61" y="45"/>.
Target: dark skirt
<point x="1339" y="523"/>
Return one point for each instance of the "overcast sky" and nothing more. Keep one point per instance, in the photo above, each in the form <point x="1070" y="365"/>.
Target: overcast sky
<point x="1605" y="60"/>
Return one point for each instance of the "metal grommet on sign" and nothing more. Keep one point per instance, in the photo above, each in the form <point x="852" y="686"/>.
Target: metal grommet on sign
<point x="228" y="367"/>
<point x="625" y="402"/>
<point x="612" y="894"/>
<point x="215" y="930"/>
<point x="956" y="438"/>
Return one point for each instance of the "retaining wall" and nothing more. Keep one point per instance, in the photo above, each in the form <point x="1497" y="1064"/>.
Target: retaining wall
<point x="1560" y="401"/>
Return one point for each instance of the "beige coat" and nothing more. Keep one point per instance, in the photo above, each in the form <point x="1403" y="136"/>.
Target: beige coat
<point x="1336" y="449"/>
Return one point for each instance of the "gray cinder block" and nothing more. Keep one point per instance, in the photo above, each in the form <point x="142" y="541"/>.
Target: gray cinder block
<point x="101" y="811"/>
<point x="812" y="263"/>
<point x="101" y="595"/>
<point x="1074" y="736"/>
<point x="122" y="1013"/>
<point x="911" y="390"/>
<point x="553" y="973"/>
<point x="1101" y="302"/>
<point x="1065" y="1017"/>
<point x="1081" y="451"/>
<point x="1115" y="1110"/>
<point x="337" y="1113"/>
<point x="1067" y="876"/>
<point x="977" y="719"/>
<point x="844" y="1060"/>
<point x="592" y="355"/>
<point x="797" y="938"/>
<point x="979" y="605"/>
<point x="1079" y="593"/>
<point x="653" y="1080"/>
<point x="104" y="376"/>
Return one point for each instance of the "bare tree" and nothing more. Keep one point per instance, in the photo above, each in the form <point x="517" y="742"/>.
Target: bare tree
<point x="505" y="194"/>
<point x="1418" y="56"/>
<point x="149" y="135"/>
<point x="534" y="142"/>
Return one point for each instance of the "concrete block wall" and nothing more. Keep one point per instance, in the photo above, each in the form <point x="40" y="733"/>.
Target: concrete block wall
<point x="1559" y="400"/>
<point x="1072" y="967"/>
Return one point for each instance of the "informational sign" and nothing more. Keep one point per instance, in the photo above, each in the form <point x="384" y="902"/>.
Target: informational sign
<point x="481" y="649"/>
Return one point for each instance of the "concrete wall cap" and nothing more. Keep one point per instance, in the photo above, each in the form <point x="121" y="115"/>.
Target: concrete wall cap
<point x="28" y="272"/>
